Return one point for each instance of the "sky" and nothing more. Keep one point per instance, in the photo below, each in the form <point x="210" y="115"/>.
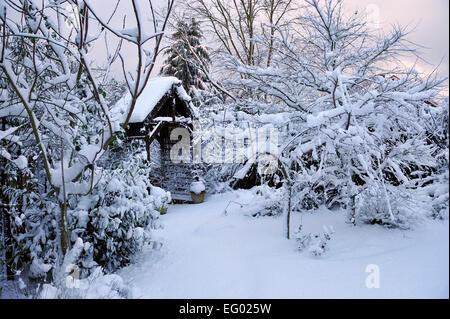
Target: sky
<point x="428" y="20"/>
<point x="430" y="23"/>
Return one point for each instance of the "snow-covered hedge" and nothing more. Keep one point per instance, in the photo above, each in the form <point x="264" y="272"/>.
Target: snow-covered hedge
<point x="68" y="284"/>
<point x="268" y="201"/>
<point x="391" y="206"/>
<point x="33" y="248"/>
<point x="116" y="220"/>
<point x="113" y="222"/>
<point x="439" y="192"/>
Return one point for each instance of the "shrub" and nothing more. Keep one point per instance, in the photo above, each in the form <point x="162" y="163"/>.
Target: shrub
<point x="116" y="220"/>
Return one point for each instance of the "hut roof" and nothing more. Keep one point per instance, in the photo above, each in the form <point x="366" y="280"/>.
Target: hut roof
<point x="154" y="91"/>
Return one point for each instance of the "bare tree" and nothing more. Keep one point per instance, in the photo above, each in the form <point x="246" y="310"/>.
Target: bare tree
<point x="237" y="24"/>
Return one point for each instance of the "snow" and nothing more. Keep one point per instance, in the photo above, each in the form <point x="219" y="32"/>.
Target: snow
<point x="240" y="174"/>
<point x="102" y="287"/>
<point x="82" y="218"/>
<point x="37" y="268"/>
<point x="9" y="131"/>
<point x="21" y="162"/>
<point x="96" y="286"/>
<point x="197" y="187"/>
<point x="49" y="292"/>
<point x="153" y="92"/>
<point x="207" y="254"/>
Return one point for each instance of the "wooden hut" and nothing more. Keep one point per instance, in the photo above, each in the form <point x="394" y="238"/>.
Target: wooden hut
<point x="163" y="106"/>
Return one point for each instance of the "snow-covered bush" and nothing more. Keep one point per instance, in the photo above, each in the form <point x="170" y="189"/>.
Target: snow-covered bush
<point x="97" y="286"/>
<point x="267" y="201"/>
<point x="439" y="192"/>
<point x="438" y="184"/>
<point x="116" y="220"/>
<point x="313" y="189"/>
<point x="34" y="245"/>
<point x="316" y="244"/>
<point x="391" y="206"/>
<point x="68" y="284"/>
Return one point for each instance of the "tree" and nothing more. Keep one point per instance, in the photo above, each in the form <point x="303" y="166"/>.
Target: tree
<point x="55" y="96"/>
<point x="357" y="133"/>
<point x="235" y="25"/>
<point x="238" y="29"/>
<point x="182" y="54"/>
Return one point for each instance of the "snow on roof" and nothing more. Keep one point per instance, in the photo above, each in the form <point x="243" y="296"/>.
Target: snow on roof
<point x="153" y="92"/>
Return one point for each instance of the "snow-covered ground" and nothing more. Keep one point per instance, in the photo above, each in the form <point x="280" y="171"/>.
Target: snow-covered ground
<point x="207" y="254"/>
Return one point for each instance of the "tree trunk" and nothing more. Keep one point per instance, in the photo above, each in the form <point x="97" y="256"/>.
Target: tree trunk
<point x="64" y="227"/>
<point x="288" y="215"/>
<point x="65" y="238"/>
<point x="6" y="219"/>
<point x="351" y="202"/>
<point x="7" y="240"/>
<point x="147" y="142"/>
